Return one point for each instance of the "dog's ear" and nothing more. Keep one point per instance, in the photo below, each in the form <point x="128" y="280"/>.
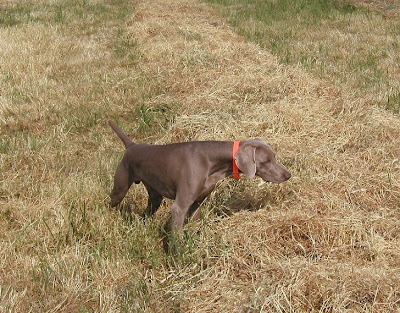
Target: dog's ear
<point x="245" y="160"/>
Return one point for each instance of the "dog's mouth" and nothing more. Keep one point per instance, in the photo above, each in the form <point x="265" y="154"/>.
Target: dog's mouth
<point x="283" y="178"/>
<point x="277" y="178"/>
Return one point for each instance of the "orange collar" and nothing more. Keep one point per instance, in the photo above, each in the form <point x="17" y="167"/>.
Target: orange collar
<point x="235" y="170"/>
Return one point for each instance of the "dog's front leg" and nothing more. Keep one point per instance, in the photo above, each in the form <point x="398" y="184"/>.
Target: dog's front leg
<point x="178" y="212"/>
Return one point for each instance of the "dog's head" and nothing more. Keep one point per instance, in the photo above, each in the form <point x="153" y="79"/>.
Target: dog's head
<point x="256" y="157"/>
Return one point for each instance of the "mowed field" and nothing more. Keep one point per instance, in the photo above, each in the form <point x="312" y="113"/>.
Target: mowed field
<point x="327" y="240"/>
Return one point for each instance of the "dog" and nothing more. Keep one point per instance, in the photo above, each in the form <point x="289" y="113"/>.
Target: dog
<point x="187" y="172"/>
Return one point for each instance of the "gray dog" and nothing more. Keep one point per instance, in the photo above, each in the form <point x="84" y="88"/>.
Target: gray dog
<point x="187" y="172"/>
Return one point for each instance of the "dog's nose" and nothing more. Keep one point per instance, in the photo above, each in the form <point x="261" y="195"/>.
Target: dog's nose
<point x="287" y="175"/>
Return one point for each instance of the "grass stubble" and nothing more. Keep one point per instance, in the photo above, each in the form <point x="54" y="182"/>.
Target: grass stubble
<point x="327" y="240"/>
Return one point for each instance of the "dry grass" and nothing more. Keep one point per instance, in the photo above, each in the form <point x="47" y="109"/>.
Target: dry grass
<point x="327" y="240"/>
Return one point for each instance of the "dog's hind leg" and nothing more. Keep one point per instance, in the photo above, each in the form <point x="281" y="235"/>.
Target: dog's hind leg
<point x="154" y="201"/>
<point x="122" y="182"/>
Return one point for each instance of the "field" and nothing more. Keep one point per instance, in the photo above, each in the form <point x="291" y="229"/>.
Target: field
<point x="320" y="83"/>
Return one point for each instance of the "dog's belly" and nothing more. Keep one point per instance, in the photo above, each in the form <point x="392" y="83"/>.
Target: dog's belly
<point x="163" y="189"/>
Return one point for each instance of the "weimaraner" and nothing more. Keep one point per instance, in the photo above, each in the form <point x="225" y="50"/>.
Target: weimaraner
<point x="187" y="172"/>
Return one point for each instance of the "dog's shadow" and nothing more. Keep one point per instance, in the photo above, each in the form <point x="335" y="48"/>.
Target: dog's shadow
<point x="229" y="203"/>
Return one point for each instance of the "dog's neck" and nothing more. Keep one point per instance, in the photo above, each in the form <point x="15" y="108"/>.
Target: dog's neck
<point x="223" y="157"/>
<point x="235" y="169"/>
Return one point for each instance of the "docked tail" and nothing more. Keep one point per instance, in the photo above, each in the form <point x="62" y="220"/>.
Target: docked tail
<point x="125" y="139"/>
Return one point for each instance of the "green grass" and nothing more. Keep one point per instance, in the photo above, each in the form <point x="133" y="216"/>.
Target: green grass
<point x="62" y="12"/>
<point x="155" y="119"/>
<point x="351" y="46"/>
<point x="393" y="102"/>
<point x="258" y="21"/>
